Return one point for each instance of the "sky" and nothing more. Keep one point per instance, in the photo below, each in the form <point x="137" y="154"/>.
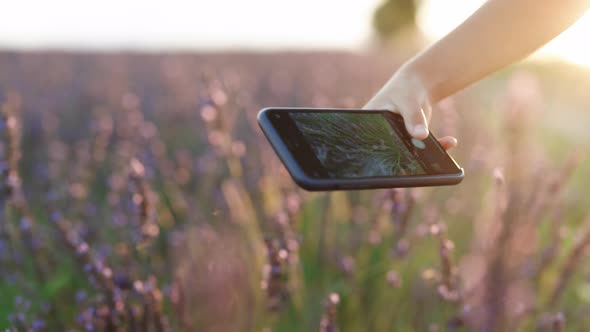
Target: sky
<point x="228" y="24"/>
<point x="189" y="24"/>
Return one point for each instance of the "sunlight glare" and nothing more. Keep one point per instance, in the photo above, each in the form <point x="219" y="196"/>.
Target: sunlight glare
<point x="437" y="18"/>
<point x="572" y="45"/>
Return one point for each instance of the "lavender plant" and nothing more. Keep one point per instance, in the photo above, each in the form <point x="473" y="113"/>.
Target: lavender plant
<point x="137" y="194"/>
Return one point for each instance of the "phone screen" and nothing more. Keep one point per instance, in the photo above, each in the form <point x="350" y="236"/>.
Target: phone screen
<point x="351" y="145"/>
<point x="358" y="144"/>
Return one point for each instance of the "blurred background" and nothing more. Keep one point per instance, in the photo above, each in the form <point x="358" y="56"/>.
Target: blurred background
<point x="227" y="25"/>
<point x="138" y="193"/>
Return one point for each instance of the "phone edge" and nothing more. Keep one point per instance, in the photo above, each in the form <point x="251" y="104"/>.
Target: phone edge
<point x="283" y="152"/>
<point x="311" y="184"/>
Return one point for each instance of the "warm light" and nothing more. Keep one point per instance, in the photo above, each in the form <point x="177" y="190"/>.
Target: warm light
<point x="231" y="24"/>
<point x="437" y="18"/>
<point x="573" y="45"/>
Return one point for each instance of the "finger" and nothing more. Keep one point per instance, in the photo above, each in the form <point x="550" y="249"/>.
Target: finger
<point x="427" y="109"/>
<point x="415" y="120"/>
<point x="414" y="117"/>
<point x="448" y="142"/>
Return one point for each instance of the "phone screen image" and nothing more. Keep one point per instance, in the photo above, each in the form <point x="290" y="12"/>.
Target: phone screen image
<point x="353" y="145"/>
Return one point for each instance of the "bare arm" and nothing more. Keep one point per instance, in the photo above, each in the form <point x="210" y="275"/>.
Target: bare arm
<point x="499" y="33"/>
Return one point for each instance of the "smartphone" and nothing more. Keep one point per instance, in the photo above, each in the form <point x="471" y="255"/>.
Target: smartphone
<point x="348" y="149"/>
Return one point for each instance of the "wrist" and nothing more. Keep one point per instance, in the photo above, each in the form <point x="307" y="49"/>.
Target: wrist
<point x="419" y="73"/>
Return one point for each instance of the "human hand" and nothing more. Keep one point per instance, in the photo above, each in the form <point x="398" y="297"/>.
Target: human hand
<point x="407" y="94"/>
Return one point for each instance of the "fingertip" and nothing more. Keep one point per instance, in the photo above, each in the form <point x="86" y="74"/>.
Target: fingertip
<point x="420" y="131"/>
<point x="453" y="141"/>
<point x="448" y="142"/>
<point x="415" y="121"/>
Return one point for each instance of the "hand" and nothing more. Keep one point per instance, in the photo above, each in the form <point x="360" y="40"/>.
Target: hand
<point x="405" y="94"/>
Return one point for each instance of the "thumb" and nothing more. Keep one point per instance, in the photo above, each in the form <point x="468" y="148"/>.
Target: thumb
<point x="415" y="121"/>
<point x="413" y="115"/>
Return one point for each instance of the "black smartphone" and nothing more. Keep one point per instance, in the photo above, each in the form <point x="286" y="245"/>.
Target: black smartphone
<point x="346" y="149"/>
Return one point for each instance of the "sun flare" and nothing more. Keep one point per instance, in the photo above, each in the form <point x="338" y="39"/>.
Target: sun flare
<point x="437" y="18"/>
<point x="574" y="44"/>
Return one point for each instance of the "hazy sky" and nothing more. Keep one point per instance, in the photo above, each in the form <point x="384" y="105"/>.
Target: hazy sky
<point x="223" y="24"/>
<point x="194" y="24"/>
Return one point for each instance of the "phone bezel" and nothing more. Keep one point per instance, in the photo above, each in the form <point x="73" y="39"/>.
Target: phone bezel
<point x="308" y="182"/>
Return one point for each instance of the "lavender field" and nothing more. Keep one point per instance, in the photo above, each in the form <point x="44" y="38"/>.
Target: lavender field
<point x="138" y="194"/>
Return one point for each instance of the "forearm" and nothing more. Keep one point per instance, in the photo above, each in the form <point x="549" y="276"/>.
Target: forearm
<point x="499" y="33"/>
